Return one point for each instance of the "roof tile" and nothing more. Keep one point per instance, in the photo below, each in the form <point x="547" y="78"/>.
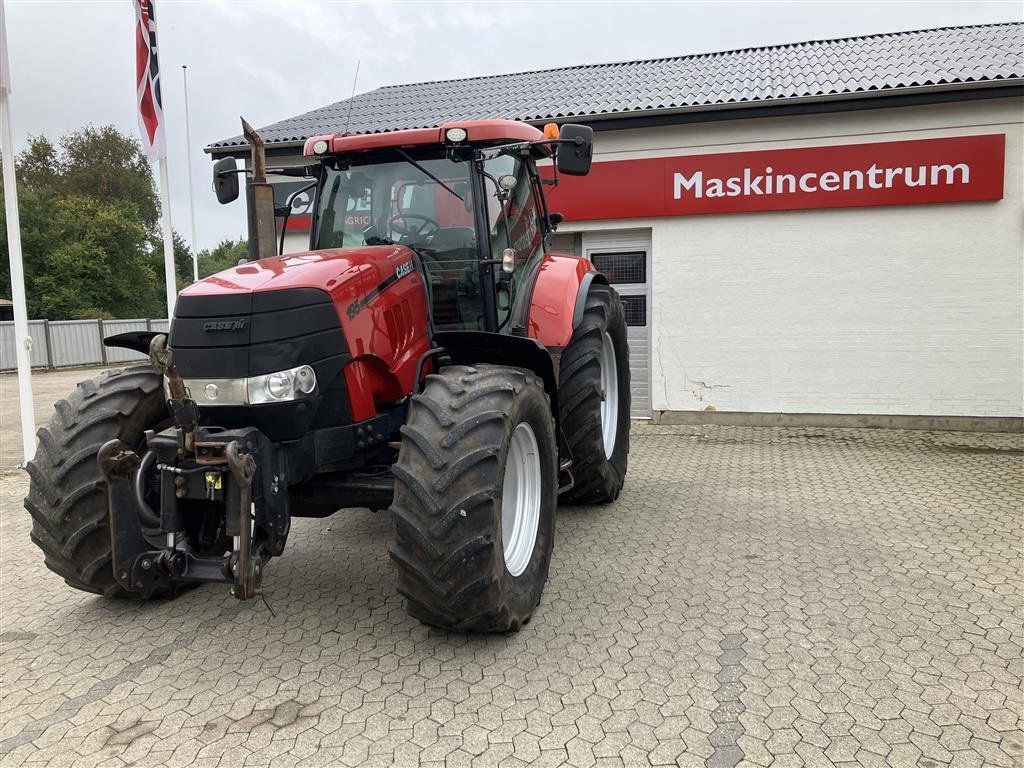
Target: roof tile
<point x="875" y="63"/>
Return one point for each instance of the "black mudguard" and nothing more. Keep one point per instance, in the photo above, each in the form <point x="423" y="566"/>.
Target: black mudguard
<point x="136" y="340"/>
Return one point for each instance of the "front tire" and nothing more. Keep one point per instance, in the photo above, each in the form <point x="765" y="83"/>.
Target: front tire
<point x="475" y="498"/>
<point x="594" y="399"/>
<point x="67" y="494"/>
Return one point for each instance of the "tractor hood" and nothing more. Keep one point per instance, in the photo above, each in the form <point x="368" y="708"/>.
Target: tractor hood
<point x="319" y="309"/>
<point x="344" y="273"/>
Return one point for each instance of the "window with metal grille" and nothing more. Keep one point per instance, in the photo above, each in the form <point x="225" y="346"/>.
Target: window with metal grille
<point x="635" y="309"/>
<point x="623" y="266"/>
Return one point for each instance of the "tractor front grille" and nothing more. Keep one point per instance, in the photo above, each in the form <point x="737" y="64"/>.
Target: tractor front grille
<point x="254" y="333"/>
<point x="240" y="335"/>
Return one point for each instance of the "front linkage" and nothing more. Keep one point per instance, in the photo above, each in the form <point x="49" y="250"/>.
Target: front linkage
<point x="195" y="465"/>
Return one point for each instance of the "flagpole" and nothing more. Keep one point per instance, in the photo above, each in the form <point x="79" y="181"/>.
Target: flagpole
<point x="188" y="164"/>
<point x="170" y="283"/>
<point x="151" y="111"/>
<point x="22" y="340"/>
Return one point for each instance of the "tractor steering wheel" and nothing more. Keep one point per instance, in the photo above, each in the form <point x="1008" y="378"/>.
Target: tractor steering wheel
<point x="400" y="223"/>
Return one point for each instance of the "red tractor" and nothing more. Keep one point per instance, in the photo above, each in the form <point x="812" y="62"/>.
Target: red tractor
<point x="427" y="355"/>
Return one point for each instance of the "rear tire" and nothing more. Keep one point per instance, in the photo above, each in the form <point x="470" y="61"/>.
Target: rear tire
<point x="598" y="473"/>
<point x="67" y="494"/>
<point x="458" y="445"/>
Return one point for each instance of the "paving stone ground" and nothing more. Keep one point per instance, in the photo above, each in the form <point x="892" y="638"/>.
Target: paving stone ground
<point x="756" y="597"/>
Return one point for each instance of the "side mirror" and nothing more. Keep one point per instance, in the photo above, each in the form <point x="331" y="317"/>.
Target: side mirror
<point x="575" y="149"/>
<point x="555" y="218"/>
<point x="225" y="180"/>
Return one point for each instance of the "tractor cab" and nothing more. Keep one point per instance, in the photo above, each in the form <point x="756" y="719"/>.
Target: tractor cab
<point x="467" y="199"/>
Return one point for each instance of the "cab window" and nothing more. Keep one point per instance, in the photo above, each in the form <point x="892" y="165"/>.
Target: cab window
<point x="514" y="224"/>
<point x="514" y="218"/>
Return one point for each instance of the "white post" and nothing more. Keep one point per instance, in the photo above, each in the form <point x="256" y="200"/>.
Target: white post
<point x="22" y="340"/>
<point x="188" y="164"/>
<point x="170" y="282"/>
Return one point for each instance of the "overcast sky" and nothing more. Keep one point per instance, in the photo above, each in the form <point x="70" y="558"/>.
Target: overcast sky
<point x="72" y="63"/>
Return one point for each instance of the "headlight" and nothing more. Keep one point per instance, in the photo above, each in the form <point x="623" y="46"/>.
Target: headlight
<point x="278" y="387"/>
<point x="281" y="386"/>
<point x="305" y="379"/>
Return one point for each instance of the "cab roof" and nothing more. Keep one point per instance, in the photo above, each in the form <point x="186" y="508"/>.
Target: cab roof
<point x="477" y="132"/>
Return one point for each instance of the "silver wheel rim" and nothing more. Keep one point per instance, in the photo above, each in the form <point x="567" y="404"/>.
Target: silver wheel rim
<point x="610" y="393"/>
<point x="520" y="499"/>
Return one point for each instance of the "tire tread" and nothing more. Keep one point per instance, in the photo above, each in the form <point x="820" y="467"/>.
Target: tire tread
<point x="67" y="497"/>
<point x="445" y="551"/>
<point x="598" y="479"/>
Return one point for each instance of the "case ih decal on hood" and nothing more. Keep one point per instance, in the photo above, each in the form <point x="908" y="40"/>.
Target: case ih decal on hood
<point x="225" y="325"/>
<point x="402" y="270"/>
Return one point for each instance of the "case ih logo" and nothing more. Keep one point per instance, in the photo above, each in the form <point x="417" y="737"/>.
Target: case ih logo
<point x="225" y="325"/>
<point x="946" y="170"/>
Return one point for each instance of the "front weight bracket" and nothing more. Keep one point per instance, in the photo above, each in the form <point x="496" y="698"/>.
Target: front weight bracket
<point x="135" y="567"/>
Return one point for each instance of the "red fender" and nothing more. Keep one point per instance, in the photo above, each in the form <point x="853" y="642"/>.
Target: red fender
<point x="557" y="300"/>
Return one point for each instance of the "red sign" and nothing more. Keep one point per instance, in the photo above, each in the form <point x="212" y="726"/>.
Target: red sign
<point x="943" y="170"/>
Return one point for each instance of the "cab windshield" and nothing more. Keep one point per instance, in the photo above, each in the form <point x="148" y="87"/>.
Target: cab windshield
<point x="427" y="203"/>
<point x="423" y="203"/>
<point x="407" y="200"/>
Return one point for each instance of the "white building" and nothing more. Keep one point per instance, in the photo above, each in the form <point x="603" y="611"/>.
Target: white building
<point x="821" y="233"/>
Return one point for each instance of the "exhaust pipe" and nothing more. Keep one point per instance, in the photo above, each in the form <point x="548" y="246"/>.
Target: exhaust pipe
<point x="259" y="199"/>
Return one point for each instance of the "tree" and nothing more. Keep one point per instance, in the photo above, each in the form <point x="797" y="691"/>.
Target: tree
<point x="227" y="254"/>
<point x="37" y="166"/>
<point x="89" y="215"/>
<point x="88" y="212"/>
<point x="97" y="264"/>
<point x="155" y="263"/>
<point x="108" y="165"/>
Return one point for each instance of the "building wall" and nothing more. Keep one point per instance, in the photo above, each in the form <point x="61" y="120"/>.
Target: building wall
<point x="296" y="242"/>
<point x="911" y="310"/>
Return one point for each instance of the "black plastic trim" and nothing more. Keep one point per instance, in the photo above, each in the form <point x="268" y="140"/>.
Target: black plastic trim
<point x="581" y="296"/>
<point x="136" y="340"/>
<point x="234" y="335"/>
<point x="212" y="362"/>
<point x="212" y="339"/>
<point x="281" y="324"/>
<point x="488" y="287"/>
<point x="291" y="298"/>
<point x="474" y="347"/>
<point x="288" y="353"/>
<point x="211" y="332"/>
<point x="217" y="305"/>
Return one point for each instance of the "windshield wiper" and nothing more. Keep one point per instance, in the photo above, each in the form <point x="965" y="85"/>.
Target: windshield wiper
<point x="425" y="172"/>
